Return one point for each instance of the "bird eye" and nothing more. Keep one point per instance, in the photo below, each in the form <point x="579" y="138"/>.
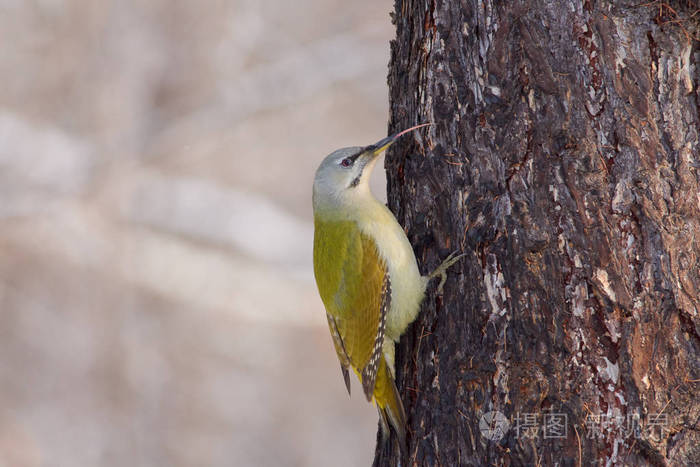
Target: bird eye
<point x="346" y="162"/>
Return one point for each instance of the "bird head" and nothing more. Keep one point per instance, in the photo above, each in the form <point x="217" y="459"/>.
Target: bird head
<point x="344" y="174"/>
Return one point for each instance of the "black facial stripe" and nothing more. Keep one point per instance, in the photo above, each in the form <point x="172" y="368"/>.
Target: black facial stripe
<point x="354" y="157"/>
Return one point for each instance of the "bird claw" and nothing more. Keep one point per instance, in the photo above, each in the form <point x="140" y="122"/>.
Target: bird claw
<point x="442" y="269"/>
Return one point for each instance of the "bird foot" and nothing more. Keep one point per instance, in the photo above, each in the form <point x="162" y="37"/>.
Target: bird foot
<point x="442" y="269"/>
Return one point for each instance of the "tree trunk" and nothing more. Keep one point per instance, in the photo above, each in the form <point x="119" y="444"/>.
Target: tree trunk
<point x="564" y="161"/>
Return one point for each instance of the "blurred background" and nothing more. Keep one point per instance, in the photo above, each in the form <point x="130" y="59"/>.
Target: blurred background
<point x="157" y="302"/>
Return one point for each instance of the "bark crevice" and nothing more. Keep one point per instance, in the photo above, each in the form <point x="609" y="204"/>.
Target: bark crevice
<point x="564" y="160"/>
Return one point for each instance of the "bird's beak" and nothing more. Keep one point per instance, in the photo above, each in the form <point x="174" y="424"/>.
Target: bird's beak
<point x="373" y="150"/>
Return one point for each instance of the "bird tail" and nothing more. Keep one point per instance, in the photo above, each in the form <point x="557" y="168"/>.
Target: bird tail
<point x="389" y="405"/>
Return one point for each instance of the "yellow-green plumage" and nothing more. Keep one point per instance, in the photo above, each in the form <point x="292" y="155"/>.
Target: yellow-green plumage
<point x="352" y="280"/>
<point x="350" y="275"/>
<point x="367" y="275"/>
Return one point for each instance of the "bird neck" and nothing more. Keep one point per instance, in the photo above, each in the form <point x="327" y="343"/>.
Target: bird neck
<point x="355" y="204"/>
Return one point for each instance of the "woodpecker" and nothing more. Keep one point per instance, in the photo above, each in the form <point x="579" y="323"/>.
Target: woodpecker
<point x="367" y="275"/>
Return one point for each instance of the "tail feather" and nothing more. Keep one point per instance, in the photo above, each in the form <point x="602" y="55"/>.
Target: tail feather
<point x="389" y="404"/>
<point x="384" y="424"/>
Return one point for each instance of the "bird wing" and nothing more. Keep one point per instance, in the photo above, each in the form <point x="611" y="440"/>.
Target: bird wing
<point x="355" y="287"/>
<point x="340" y="350"/>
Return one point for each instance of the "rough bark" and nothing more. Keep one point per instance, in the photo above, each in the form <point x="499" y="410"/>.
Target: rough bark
<point x="564" y="161"/>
